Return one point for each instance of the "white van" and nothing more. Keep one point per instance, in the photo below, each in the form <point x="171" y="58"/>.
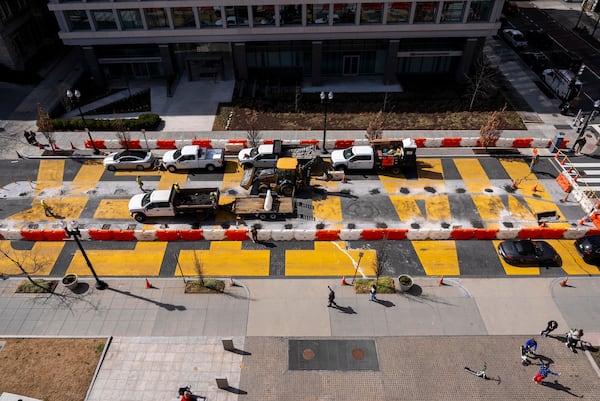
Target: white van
<point x="560" y="81"/>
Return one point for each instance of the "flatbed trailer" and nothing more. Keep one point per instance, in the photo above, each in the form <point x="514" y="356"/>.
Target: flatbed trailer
<point x="266" y="207"/>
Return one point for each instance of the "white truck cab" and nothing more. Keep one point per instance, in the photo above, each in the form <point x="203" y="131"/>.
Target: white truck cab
<point x="354" y="158"/>
<point x="560" y="81"/>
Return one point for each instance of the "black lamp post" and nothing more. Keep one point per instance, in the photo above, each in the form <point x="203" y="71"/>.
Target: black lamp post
<point x="590" y="117"/>
<point x="75" y="233"/>
<point x="325" y="100"/>
<point x="360" y="255"/>
<point x="74" y="96"/>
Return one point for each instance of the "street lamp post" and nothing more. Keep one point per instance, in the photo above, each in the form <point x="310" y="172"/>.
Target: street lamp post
<point x="590" y="117"/>
<point x="360" y="255"/>
<point x="75" y="233"/>
<point x="325" y="100"/>
<point x="74" y="96"/>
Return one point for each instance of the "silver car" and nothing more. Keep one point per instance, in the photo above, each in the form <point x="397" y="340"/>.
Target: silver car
<point x="515" y="38"/>
<point x="132" y="159"/>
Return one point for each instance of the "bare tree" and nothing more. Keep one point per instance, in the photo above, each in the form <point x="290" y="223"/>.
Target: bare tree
<point x="482" y="84"/>
<point x="31" y="259"/>
<point x="381" y="261"/>
<point x="123" y="134"/>
<point x="375" y="128"/>
<point x="252" y="133"/>
<point x="492" y="130"/>
<point x="44" y="124"/>
<point x="199" y="267"/>
<point x="297" y="99"/>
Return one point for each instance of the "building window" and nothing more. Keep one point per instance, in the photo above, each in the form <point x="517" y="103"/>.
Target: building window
<point x="317" y="14"/>
<point x="210" y="17"/>
<point x="452" y="11"/>
<point x="425" y="12"/>
<point x="371" y="13"/>
<point x="131" y="19"/>
<point x="263" y="15"/>
<point x="480" y="10"/>
<point x="344" y="13"/>
<point x="156" y="18"/>
<point x="78" y="20"/>
<point x="183" y="17"/>
<point x="236" y="16"/>
<point x="398" y="13"/>
<point x="291" y="14"/>
<point x="104" y="19"/>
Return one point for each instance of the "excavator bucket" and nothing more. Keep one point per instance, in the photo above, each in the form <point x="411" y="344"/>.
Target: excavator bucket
<point x="247" y="178"/>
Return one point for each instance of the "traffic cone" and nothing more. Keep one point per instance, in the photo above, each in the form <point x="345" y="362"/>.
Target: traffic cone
<point x="514" y="185"/>
<point x="344" y="180"/>
<point x="581" y="221"/>
<point x="564" y="282"/>
<point x="576" y="178"/>
<point x="563" y="161"/>
<point x="534" y="189"/>
<point x="556" y="155"/>
<point x="441" y="281"/>
<point x="542" y="224"/>
<point x="570" y="170"/>
<point x="231" y="282"/>
<point x="344" y="281"/>
<point x="148" y="285"/>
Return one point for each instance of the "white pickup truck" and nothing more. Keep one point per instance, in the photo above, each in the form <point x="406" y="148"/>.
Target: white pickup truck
<point x="382" y="154"/>
<point x="193" y="157"/>
<point x="563" y="83"/>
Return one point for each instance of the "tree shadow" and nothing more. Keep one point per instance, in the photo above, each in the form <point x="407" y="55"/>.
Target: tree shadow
<point x="386" y="303"/>
<point x="168" y="307"/>
<point x="557" y="386"/>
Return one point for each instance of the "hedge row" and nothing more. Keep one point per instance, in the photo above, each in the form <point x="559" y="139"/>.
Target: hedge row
<point x="148" y="122"/>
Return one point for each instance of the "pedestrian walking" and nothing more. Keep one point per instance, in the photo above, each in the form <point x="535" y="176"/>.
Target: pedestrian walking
<point x="331" y="298"/>
<point x="531" y="346"/>
<point x="373" y="293"/>
<point x="47" y="209"/>
<point x="550" y="327"/>
<point x="254" y="234"/>
<point x="543" y="373"/>
<point x="573" y="337"/>
<point x="579" y="144"/>
<point x="524" y="355"/>
<point x="140" y="183"/>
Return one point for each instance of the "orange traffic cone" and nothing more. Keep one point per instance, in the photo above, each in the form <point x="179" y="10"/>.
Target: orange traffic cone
<point x="576" y="178"/>
<point x="441" y="281"/>
<point x="556" y="155"/>
<point x="231" y="282"/>
<point x="563" y="161"/>
<point x="564" y="282"/>
<point x="148" y="285"/>
<point x="542" y="224"/>
<point x="534" y="189"/>
<point x="344" y="281"/>
<point x="581" y="221"/>
<point x="514" y="185"/>
<point x="344" y="180"/>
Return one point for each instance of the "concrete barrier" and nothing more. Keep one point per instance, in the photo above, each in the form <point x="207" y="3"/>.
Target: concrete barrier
<point x="282" y="235"/>
<point x="305" y="235"/>
<point x="350" y="234"/>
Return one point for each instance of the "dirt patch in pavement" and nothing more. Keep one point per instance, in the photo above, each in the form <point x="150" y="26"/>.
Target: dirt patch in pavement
<point x="49" y="369"/>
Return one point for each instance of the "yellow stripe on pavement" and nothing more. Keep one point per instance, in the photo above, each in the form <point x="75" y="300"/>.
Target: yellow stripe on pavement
<point x="473" y="175"/>
<point x="438" y="258"/>
<point x="39" y="261"/>
<point x="144" y="260"/>
<point x="572" y="262"/>
<point x="167" y="179"/>
<point x="437" y="207"/>
<point x="518" y="210"/>
<point x="490" y="207"/>
<point x="430" y="169"/>
<point x="328" y="210"/>
<point x="87" y="177"/>
<point x="112" y="209"/>
<point x="231" y="181"/>
<point x="515" y="270"/>
<point x="224" y="259"/>
<point x="50" y="175"/>
<point x="406" y="208"/>
<point x="67" y="208"/>
<point x="329" y="259"/>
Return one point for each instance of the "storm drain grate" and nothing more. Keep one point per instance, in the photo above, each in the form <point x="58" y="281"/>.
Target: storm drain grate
<point x="344" y="355"/>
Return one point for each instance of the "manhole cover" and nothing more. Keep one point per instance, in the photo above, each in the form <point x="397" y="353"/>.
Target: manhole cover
<point x="343" y="355"/>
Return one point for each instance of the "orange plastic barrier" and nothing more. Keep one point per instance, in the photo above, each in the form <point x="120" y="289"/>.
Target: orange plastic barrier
<point x="166" y="144"/>
<point x="552" y="233"/>
<point x="124" y="235"/>
<point x="395" y="233"/>
<point x="167" y="235"/>
<point x="131" y="144"/>
<point x="522" y="142"/>
<point x="236" y="235"/>
<point x="485" y="233"/>
<point x="203" y="143"/>
<point x="269" y="141"/>
<point x="451" y="142"/>
<point x="344" y="143"/>
<point x="420" y="142"/>
<point x="564" y="183"/>
<point x="238" y="141"/>
<point x="530" y="232"/>
<point x="564" y="144"/>
<point x="372" y="234"/>
<point x="596" y="220"/>
<point x="191" y="235"/>
<point x="100" y="235"/>
<point x="462" y="233"/>
<point x="327" y="235"/>
<point x="33" y="235"/>
<point x="309" y="141"/>
<point x="55" y="235"/>
<point x="98" y="142"/>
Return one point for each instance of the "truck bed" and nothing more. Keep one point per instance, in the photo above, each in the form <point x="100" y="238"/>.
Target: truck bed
<point x="254" y="205"/>
<point x="301" y="153"/>
<point x="195" y="198"/>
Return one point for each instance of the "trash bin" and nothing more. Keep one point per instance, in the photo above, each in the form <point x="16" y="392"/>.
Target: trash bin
<point x="557" y="142"/>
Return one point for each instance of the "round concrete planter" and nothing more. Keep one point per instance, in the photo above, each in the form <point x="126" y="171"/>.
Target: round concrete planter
<point x="70" y="281"/>
<point x="405" y="282"/>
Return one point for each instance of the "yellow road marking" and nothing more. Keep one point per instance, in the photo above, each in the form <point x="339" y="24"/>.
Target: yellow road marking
<point x="329" y="259"/>
<point x="68" y="208"/>
<point x="50" y="175"/>
<point x="167" y="180"/>
<point x="225" y="259"/>
<point x="231" y="181"/>
<point x="438" y="258"/>
<point x="572" y="262"/>
<point x="87" y="177"/>
<point x="329" y="209"/>
<point x="430" y="169"/>
<point x="518" y="210"/>
<point x="406" y="208"/>
<point x="144" y="260"/>
<point x="489" y="206"/>
<point x="39" y="261"/>
<point x="112" y="209"/>
<point x="437" y="207"/>
<point x="514" y="270"/>
<point x="473" y="175"/>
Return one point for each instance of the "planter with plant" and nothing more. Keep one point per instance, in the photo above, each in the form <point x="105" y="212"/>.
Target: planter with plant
<point x="405" y="282"/>
<point x="70" y="281"/>
<point x="384" y="285"/>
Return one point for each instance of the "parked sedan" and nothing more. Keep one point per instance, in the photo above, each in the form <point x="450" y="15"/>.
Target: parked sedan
<point x="129" y="160"/>
<point x="589" y="248"/>
<point x="515" y="38"/>
<point x="528" y="253"/>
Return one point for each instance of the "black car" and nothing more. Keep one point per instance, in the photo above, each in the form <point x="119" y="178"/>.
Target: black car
<point x="536" y="60"/>
<point x="589" y="248"/>
<point x="528" y="253"/>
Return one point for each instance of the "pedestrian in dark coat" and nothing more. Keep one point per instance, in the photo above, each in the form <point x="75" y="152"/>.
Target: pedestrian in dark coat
<point x="373" y="293"/>
<point x="331" y="298"/>
<point x="550" y="327"/>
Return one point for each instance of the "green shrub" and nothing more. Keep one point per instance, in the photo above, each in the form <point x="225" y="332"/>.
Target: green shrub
<point x="148" y="121"/>
<point x="27" y="287"/>
<point x="385" y="285"/>
<point x="204" y="286"/>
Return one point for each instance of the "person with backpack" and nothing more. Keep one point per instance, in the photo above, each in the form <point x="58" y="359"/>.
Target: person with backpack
<point x="550" y="327"/>
<point x="573" y="337"/>
<point x="543" y="373"/>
